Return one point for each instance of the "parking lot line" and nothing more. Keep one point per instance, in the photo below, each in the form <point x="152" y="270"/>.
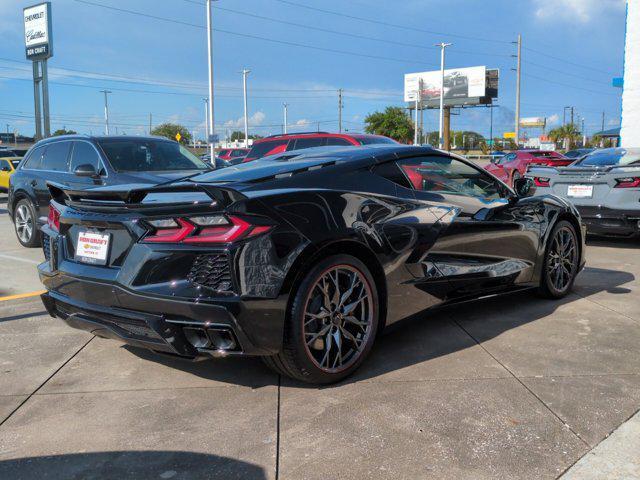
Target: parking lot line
<point x="22" y="295"/>
<point x="19" y="259"/>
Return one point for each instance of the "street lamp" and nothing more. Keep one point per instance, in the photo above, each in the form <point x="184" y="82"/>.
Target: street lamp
<point x="211" y="130"/>
<point x="441" y="120"/>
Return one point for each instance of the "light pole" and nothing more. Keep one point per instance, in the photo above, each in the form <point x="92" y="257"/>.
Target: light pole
<point x="211" y="126"/>
<point x="245" y="72"/>
<point x="518" y="73"/>
<point x="206" y="118"/>
<point x="106" y="111"/>
<point x="442" y="46"/>
<point x="285" y="105"/>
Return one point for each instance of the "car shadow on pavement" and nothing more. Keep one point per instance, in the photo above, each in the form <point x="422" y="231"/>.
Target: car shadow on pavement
<point x="420" y="338"/>
<point x="174" y="465"/>
<point x="613" y="242"/>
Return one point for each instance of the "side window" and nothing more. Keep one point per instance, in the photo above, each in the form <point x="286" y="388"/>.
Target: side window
<point x="446" y="175"/>
<point x="333" y="141"/>
<point x="84" y="153"/>
<point x="302" y="143"/>
<point x="4" y="166"/>
<point x="391" y="171"/>
<point x="56" y="157"/>
<point x="34" y="160"/>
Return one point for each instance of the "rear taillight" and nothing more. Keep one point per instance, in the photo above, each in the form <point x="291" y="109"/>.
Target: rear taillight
<point x="541" y="181"/>
<point x="53" y="219"/>
<point x="214" y="229"/>
<point x="628" y="182"/>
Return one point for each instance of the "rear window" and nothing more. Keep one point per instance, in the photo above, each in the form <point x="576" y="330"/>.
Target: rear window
<point x="133" y="155"/>
<point x="375" y="140"/>
<point x="545" y="154"/>
<point x="311" y="142"/>
<point x="261" y="149"/>
<point x="620" y="156"/>
<point x="238" y="153"/>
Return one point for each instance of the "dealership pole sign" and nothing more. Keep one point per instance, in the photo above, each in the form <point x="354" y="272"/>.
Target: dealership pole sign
<point x="38" y="42"/>
<point x="37" y="31"/>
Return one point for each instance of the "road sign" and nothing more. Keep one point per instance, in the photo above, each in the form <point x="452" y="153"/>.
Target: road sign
<point x="37" y="31"/>
<point x="178" y="136"/>
<point x="509" y="135"/>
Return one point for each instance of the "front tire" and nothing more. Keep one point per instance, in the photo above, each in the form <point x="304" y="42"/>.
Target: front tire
<point x="25" y="224"/>
<point x="561" y="260"/>
<point x="515" y="176"/>
<point x="331" y="323"/>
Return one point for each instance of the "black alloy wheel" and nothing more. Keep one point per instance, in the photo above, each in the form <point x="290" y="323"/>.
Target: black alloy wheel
<point x="561" y="261"/>
<point x="332" y="322"/>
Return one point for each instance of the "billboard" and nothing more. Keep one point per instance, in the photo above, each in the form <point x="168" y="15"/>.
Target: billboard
<point x="460" y="85"/>
<point x="37" y="31"/>
<point x="532" y="122"/>
<point x="629" y="132"/>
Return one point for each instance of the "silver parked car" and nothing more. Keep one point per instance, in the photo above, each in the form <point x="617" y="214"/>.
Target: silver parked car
<point x="604" y="186"/>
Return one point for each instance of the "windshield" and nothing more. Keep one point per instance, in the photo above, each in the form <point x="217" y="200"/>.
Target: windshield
<point x="604" y="158"/>
<point x="261" y="149"/>
<point x="146" y="155"/>
<point x="7" y="153"/>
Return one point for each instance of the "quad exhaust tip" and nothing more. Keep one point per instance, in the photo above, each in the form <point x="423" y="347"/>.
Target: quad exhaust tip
<point x="221" y="340"/>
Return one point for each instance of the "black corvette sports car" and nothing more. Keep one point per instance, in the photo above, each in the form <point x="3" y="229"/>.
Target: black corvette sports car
<point x="301" y="258"/>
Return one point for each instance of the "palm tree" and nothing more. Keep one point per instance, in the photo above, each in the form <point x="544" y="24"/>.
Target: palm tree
<point x="567" y="135"/>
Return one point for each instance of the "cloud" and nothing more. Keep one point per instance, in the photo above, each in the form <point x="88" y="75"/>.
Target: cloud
<point x="553" y="119"/>
<point x="254" y="120"/>
<point x="582" y="11"/>
<point x="303" y="122"/>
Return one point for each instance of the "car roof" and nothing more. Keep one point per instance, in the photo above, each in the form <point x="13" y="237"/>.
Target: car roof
<point x="285" y="136"/>
<point x="101" y="137"/>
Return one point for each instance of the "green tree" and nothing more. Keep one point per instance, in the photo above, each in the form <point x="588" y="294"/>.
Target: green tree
<point x="64" y="131"/>
<point x="567" y="135"/>
<point x="393" y="123"/>
<point x="238" y="136"/>
<point x="170" y="130"/>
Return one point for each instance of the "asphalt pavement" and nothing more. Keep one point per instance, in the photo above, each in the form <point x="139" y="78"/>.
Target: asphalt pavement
<point x="511" y="387"/>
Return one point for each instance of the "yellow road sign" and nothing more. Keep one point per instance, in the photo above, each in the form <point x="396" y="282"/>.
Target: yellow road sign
<point x="509" y="135"/>
<point x="178" y="136"/>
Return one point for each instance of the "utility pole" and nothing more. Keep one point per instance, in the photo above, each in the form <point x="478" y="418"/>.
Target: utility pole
<point x="571" y="115"/>
<point x="491" y="128"/>
<point x="285" y="105"/>
<point x="415" y="122"/>
<point x="245" y="72"/>
<point x="584" y="136"/>
<point x="339" y="110"/>
<point x="211" y="129"/>
<point x="518" y="75"/>
<point x="150" y="122"/>
<point x="106" y="111"/>
<point x="602" y="129"/>
<point x="442" y="46"/>
<point x="206" y="118"/>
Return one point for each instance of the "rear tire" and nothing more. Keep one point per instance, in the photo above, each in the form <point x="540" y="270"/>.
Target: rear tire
<point x="331" y="322"/>
<point x="561" y="259"/>
<point x="26" y="224"/>
<point x="515" y="176"/>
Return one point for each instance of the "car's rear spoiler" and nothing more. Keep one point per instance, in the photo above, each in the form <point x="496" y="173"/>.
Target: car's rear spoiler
<point x="136" y="196"/>
<point x="578" y="170"/>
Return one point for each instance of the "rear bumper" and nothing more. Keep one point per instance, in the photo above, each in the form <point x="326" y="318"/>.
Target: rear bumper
<point x="610" y="222"/>
<point x="110" y="311"/>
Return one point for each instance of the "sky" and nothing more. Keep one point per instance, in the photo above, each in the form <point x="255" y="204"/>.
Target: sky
<point x="154" y="61"/>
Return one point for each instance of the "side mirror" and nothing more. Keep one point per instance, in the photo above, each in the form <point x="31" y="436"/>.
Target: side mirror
<point x="85" y="170"/>
<point x="522" y="186"/>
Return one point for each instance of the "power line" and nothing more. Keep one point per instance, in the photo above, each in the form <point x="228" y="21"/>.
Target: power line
<point x="346" y="34"/>
<point x="388" y="24"/>
<point x="562" y="72"/>
<point x="256" y="37"/>
<point x="570" y="86"/>
<point x="568" y="62"/>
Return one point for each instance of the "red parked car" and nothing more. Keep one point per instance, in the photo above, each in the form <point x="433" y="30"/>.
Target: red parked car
<point x="514" y="165"/>
<point x="298" y="141"/>
<point x="230" y="154"/>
